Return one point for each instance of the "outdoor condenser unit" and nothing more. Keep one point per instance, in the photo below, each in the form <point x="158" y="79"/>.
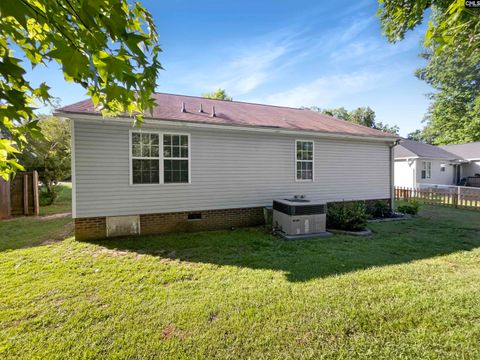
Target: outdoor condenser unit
<point x="299" y="217"/>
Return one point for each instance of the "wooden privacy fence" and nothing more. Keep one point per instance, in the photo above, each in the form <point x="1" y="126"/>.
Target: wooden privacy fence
<point x="456" y="196"/>
<point x="19" y="196"/>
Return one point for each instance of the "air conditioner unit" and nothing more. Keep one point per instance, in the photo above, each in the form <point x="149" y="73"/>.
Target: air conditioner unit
<point x="300" y="218"/>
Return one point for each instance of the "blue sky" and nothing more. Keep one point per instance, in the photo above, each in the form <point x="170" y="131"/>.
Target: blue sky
<point x="292" y="53"/>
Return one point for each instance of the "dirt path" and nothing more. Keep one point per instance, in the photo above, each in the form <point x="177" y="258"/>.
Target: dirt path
<point x="54" y="216"/>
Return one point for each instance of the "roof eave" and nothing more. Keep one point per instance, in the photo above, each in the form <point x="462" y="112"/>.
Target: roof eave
<point x="157" y="121"/>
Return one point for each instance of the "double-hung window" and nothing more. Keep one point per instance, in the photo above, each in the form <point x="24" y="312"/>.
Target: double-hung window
<point x="304" y="160"/>
<point x="175" y="158"/>
<point x="159" y="158"/>
<point x="145" y="158"/>
<point x="426" y="169"/>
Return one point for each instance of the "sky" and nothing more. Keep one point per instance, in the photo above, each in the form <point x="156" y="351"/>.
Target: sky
<point x="327" y="53"/>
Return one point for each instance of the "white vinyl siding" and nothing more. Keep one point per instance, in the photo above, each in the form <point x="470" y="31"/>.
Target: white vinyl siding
<point x="404" y="173"/>
<point x="227" y="169"/>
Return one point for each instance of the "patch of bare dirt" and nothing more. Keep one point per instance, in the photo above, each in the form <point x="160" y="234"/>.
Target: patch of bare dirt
<point x="60" y="235"/>
<point x="54" y="216"/>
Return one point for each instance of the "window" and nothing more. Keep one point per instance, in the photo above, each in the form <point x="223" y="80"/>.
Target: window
<point x="304" y="160"/>
<point x="442" y="167"/>
<point x="145" y="158"/>
<point x="175" y="158"/>
<point x="426" y="169"/>
<point x="156" y="153"/>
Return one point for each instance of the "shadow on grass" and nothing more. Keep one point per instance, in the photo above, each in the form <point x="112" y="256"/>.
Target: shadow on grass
<point x="436" y="232"/>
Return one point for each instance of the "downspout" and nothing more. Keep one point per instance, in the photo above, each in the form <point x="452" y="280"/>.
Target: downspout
<point x="392" y="174"/>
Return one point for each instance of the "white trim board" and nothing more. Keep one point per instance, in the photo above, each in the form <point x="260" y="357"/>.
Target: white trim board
<point x="72" y="168"/>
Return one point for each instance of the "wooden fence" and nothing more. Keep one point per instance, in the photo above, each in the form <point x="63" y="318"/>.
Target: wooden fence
<point x="456" y="196"/>
<point x="20" y="195"/>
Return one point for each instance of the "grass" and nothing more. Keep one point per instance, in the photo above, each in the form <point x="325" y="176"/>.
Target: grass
<point x="63" y="204"/>
<point x="409" y="291"/>
<point x="30" y="231"/>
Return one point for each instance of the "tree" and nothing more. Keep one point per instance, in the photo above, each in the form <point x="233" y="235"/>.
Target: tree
<point x="339" y="113"/>
<point x="454" y="112"/>
<point x="393" y="129"/>
<point x="452" y="27"/>
<point x="452" y="52"/>
<point x="220" y="94"/>
<point x="49" y="155"/>
<point x="109" y="47"/>
<point x="363" y="116"/>
<point x="417" y="135"/>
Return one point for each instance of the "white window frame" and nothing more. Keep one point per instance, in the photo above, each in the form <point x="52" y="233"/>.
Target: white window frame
<point x="312" y="161"/>
<point x="160" y="158"/>
<point x="443" y="167"/>
<point x="427" y="167"/>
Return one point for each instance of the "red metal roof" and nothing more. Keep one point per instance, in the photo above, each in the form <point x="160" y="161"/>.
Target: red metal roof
<point x="235" y="113"/>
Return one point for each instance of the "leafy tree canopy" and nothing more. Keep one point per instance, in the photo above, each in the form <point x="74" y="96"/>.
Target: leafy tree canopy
<point x="49" y="154"/>
<point x="452" y="27"/>
<point x="220" y="94"/>
<point x="107" y="46"/>
<point x="339" y="113"/>
<point x="452" y="52"/>
<point x="454" y="112"/>
<point x="363" y="116"/>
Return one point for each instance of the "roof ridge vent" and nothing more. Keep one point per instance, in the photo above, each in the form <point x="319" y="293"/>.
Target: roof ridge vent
<point x="201" y="108"/>
<point x="213" y="111"/>
<point x="183" y="107"/>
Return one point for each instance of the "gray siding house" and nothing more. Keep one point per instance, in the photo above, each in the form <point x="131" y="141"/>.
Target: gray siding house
<point x="199" y="164"/>
<point x="420" y="165"/>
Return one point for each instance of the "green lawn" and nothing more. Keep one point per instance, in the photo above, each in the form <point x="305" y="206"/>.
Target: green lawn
<point x="412" y="290"/>
<point x="63" y="204"/>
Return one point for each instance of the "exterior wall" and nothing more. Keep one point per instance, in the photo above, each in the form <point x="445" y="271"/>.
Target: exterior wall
<point x="404" y="173"/>
<point x="229" y="169"/>
<point x="438" y="177"/>
<point x="95" y="228"/>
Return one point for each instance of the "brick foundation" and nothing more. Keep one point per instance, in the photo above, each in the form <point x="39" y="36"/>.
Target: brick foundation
<point x="90" y="228"/>
<point x="95" y="228"/>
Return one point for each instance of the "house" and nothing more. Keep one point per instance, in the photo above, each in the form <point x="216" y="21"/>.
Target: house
<point x="199" y="163"/>
<point x="418" y="164"/>
<point x="470" y="152"/>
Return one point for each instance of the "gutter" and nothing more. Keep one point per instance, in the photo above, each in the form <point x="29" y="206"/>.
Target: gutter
<point x="392" y="173"/>
<point x="190" y="124"/>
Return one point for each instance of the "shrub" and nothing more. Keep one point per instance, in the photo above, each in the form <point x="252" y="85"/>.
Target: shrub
<point x="411" y="207"/>
<point x="48" y="197"/>
<point x="380" y="209"/>
<point x="347" y="216"/>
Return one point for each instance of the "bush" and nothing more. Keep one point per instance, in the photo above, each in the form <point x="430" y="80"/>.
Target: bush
<point x="411" y="207"/>
<point x="380" y="209"/>
<point x="347" y="216"/>
<point x="48" y="197"/>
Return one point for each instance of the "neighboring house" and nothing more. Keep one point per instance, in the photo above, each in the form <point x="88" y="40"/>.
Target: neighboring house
<point x="200" y="163"/>
<point x="469" y="152"/>
<point x="418" y="164"/>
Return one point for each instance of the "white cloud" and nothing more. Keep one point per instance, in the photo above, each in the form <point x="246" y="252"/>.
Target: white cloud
<point x="249" y="70"/>
<point x="326" y="89"/>
<point x="243" y="68"/>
